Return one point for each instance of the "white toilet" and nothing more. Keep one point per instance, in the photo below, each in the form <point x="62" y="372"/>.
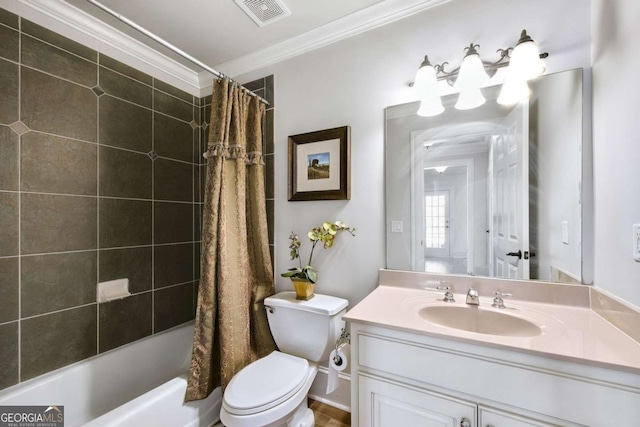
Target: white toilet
<point x="273" y="391"/>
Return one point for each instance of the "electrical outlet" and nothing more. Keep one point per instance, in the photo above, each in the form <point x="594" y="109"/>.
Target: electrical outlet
<point x="396" y="226"/>
<point x="636" y="242"/>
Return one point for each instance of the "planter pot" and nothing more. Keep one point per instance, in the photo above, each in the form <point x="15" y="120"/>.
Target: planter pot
<point x="304" y="289"/>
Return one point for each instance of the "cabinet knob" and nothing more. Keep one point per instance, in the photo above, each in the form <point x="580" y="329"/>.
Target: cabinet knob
<point x="465" y="422"/>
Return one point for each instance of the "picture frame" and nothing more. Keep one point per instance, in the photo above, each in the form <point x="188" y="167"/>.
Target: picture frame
<point x="320" y="165"/>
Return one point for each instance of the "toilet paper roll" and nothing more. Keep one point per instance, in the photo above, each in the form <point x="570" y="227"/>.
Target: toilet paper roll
<point x="337" y="363"/>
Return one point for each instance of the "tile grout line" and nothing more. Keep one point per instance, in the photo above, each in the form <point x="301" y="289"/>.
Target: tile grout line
<point x="39" y="193"/>
<point x="96" y="250"/>
<point x="2" y="24"/>
<point x="153" y="212"/>
<point x="113" y="96"/>
<point x="97" y="206"/>
<point x="30" y="67"/>
<point x="61" y="311"/>
<point x="70" y="138"/>
<point x="47" y="313"/>
<point x="31" y="36"/>
<point x="19" y="202"/>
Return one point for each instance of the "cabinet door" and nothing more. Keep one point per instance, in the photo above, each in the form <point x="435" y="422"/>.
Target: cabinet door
<point x="489" y="417"/>
<point x="388" y="404"/>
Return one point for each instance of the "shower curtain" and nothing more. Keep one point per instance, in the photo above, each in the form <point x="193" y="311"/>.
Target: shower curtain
<point x="231" y="328"/>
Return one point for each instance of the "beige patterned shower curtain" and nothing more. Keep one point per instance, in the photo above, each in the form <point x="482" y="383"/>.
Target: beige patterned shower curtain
<point x="231" y="328"/>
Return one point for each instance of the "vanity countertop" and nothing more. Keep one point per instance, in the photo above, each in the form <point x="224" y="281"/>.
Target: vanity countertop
<point x="570" y="333"/>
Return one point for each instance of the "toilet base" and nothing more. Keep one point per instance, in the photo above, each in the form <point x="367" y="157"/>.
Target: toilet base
<point x="303" y="417"/>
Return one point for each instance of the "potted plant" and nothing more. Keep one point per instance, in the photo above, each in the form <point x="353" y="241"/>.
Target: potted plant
<point x="304" y="278"/>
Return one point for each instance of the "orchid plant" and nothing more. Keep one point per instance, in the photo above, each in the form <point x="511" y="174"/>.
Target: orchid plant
<point x="326" y="234"/>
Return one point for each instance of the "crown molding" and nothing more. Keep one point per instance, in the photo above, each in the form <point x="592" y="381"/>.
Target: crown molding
<point x="78" y="25"/>
<point x="382" y="13"/>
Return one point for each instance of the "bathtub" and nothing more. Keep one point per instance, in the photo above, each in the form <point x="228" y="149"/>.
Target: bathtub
<point x="139" y="384"/>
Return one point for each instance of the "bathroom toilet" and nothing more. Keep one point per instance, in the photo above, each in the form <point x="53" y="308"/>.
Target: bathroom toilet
<point x="273" y="391"/>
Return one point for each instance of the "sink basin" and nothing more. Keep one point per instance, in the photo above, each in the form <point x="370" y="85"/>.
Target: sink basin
<point x="479" y="320"/>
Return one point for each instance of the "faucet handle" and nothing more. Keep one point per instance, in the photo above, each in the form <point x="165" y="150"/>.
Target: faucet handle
<point x="498" y="301"/>
<point x="448" y="295"/>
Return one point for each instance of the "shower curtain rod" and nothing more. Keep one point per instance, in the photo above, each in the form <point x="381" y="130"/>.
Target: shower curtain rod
<point x="171" y="47"/>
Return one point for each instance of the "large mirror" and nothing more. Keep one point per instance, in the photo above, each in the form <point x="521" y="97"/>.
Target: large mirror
<point x="493" y="191"/>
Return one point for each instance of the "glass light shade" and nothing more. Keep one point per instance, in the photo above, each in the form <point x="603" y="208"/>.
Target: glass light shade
<point x="525" y="63"/>
<point x="469" y="99"/>
<point x="430" y="106"/>
<point x="426" y="82"/>
<point x="472" y="74"/>
<point x="513" y="91"/>
<point x="441" y="169"/>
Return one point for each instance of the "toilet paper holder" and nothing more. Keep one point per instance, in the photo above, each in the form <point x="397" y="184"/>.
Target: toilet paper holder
<point x="345" y="338"/>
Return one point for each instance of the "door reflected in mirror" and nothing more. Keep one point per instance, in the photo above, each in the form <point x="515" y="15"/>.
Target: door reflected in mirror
<point x="494" y="191"/>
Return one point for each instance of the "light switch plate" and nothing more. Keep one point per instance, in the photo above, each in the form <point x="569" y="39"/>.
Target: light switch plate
<point x="636" y="242"/>
<point x="396" y="226"/>
<point x="565" y="232"/>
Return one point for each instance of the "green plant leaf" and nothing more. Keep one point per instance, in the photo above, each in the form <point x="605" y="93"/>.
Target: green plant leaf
<point x="312" y="276"/>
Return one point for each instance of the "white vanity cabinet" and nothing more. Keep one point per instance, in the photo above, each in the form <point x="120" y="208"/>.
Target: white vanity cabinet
<point x="408" y="379"/>
<point x="489" y="417"/>
<point x="384" y="403"/>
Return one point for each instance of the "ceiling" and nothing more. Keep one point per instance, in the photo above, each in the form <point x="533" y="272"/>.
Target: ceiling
<point x="218" y="31"/>
<point x="216" y="34"/>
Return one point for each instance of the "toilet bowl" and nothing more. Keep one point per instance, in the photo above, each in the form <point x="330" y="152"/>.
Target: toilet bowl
<point x="273" y="391"/>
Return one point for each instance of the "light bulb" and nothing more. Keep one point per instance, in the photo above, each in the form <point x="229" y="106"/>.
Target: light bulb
<point x="513" y="91"/>
<point x="525" y="63"/>
<point x="469" y="99"/>
<point x="441" y="169"/>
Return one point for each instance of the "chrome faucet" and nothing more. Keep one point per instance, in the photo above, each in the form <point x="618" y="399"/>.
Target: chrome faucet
<point x="473" y="297"/>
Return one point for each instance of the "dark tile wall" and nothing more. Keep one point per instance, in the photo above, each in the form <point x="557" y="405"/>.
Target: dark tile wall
<point x="100" y="179"/>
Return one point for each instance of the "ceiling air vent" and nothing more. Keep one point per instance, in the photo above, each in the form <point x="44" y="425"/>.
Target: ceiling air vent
<point x="264" y="12"/>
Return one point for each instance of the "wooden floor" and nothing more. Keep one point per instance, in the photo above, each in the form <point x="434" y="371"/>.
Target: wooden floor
<point x="328" y="416"/>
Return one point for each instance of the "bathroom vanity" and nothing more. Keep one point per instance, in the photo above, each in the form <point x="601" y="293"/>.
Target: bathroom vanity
<point x="546" y="359"/>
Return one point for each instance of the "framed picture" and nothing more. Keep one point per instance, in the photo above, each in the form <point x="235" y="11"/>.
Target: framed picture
<point x="320" y="165"/>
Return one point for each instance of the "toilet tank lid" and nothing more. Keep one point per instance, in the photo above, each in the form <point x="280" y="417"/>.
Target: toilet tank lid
<point x="321" y="304"/>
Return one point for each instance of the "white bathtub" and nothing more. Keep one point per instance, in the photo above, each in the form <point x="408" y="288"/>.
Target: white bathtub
<point x="140" y="384"/>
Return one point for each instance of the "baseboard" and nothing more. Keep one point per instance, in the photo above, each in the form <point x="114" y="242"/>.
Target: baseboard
<point x="341" y="398"/>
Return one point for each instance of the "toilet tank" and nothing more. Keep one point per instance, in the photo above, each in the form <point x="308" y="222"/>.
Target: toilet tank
<point x="307" y="329"/>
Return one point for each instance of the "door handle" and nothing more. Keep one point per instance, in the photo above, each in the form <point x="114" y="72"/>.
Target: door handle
<point x="518" y="254"/>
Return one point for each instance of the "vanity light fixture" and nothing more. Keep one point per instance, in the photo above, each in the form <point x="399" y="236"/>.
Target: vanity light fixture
<point x="524" y="62"/>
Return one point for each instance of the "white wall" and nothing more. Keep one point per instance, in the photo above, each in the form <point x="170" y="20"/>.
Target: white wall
<point x="616" y="140"/>
<point x="352" y="81"/>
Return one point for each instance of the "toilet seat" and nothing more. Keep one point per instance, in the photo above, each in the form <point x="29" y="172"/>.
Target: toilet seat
<point x="265" y="383"/>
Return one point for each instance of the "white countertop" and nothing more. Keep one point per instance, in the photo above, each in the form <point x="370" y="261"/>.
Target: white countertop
<point x="571" y="333"/>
